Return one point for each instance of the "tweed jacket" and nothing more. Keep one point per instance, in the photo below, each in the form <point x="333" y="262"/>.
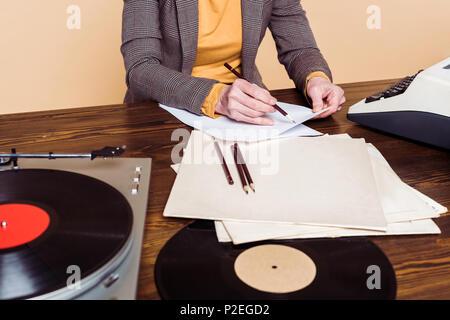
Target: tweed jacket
<point x="159" y="45"/>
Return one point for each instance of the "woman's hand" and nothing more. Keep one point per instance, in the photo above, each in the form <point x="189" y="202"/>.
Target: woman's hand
<point x="324" y="94"/>
<point x="246" y="102"/>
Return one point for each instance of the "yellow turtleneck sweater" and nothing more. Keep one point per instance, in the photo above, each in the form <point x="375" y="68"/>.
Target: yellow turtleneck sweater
<point x="220" y="41"/>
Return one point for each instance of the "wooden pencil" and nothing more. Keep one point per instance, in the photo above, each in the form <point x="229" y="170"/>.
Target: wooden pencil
<point x="224" y="163"/>
<point x="277" y="107"/>
<point x="240" y="170"/>
<point x="244" y="167"/>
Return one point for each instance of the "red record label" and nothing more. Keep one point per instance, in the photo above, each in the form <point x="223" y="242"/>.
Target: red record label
<point x="20" y="224"/>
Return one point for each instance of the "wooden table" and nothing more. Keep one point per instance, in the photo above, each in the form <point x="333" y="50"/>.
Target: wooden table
<point x="421" y="263"/>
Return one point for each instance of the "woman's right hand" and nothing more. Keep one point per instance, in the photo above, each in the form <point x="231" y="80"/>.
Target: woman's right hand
<point x="246" y="102"/>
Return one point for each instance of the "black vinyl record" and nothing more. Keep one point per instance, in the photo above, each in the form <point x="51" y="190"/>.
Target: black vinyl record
<point x="90" y="221"/>
<point x="194" y="265"/>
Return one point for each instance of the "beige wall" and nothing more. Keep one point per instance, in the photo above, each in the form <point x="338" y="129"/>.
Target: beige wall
<point x="414" y="34"/>
<point x="45" y="65"/>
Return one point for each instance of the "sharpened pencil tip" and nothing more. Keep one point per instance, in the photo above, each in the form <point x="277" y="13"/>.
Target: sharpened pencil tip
<point x="290" y="119"/>
<point x="246" y="189"/>
<point x="252" y="186"/>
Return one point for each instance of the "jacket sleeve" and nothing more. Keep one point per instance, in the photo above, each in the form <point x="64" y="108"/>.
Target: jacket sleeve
<point x="146" y="78"/>
<point x="296" y="46"/>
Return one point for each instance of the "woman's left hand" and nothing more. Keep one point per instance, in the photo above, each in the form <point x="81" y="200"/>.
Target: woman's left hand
<point x="324" y="95"/>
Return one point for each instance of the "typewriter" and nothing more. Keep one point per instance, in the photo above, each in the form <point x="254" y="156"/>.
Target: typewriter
<point x="417" y="107"/>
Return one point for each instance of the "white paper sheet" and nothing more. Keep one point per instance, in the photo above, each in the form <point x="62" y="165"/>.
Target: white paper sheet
<point x="226" y="129"/>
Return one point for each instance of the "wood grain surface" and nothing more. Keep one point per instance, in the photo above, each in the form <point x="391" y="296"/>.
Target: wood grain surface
<point x="421" y="263"/>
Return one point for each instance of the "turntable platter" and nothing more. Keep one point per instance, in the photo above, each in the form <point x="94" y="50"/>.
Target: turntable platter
<point x="88" y="222"/>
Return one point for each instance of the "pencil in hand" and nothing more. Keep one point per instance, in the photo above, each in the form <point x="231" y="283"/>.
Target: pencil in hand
<point x="277" y="107"/>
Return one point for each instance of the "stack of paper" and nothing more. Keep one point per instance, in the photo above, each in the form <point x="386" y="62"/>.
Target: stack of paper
<point x="307" y="187"/>
<point x="406" y="210"/>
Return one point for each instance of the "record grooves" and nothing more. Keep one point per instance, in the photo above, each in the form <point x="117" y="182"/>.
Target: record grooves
<point x="194" y="265"/>
<point x="90" y="222"/>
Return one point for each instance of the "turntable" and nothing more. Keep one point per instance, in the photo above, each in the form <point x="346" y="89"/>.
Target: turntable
<point x="71" y="228"/>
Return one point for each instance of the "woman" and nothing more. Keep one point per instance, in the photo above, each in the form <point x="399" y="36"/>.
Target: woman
<point x="174" y="52"/>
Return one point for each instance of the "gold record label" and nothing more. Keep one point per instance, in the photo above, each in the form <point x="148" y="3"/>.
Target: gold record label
<point x="275" y="268"/>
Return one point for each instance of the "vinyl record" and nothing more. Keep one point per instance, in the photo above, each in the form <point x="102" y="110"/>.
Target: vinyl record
<point x="194" y="265"/>
<point x="53" y="223"/>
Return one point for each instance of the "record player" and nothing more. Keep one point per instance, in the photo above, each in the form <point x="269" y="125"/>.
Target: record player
<point x="60" y="215"/>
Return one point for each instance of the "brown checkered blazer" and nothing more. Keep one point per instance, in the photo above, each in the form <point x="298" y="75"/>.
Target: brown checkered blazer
<point x="159" y="45"/>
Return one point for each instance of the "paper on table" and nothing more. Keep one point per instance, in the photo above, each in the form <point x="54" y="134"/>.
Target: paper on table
<point x="221" y="232"/>
<point x="308" y="172"/>
<point x="426" y="226"/>
<point x="226" y="129"/>
<point x="437" y="208"/>
<point x="250" y="232"/>
<point x="400" y="202"/>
